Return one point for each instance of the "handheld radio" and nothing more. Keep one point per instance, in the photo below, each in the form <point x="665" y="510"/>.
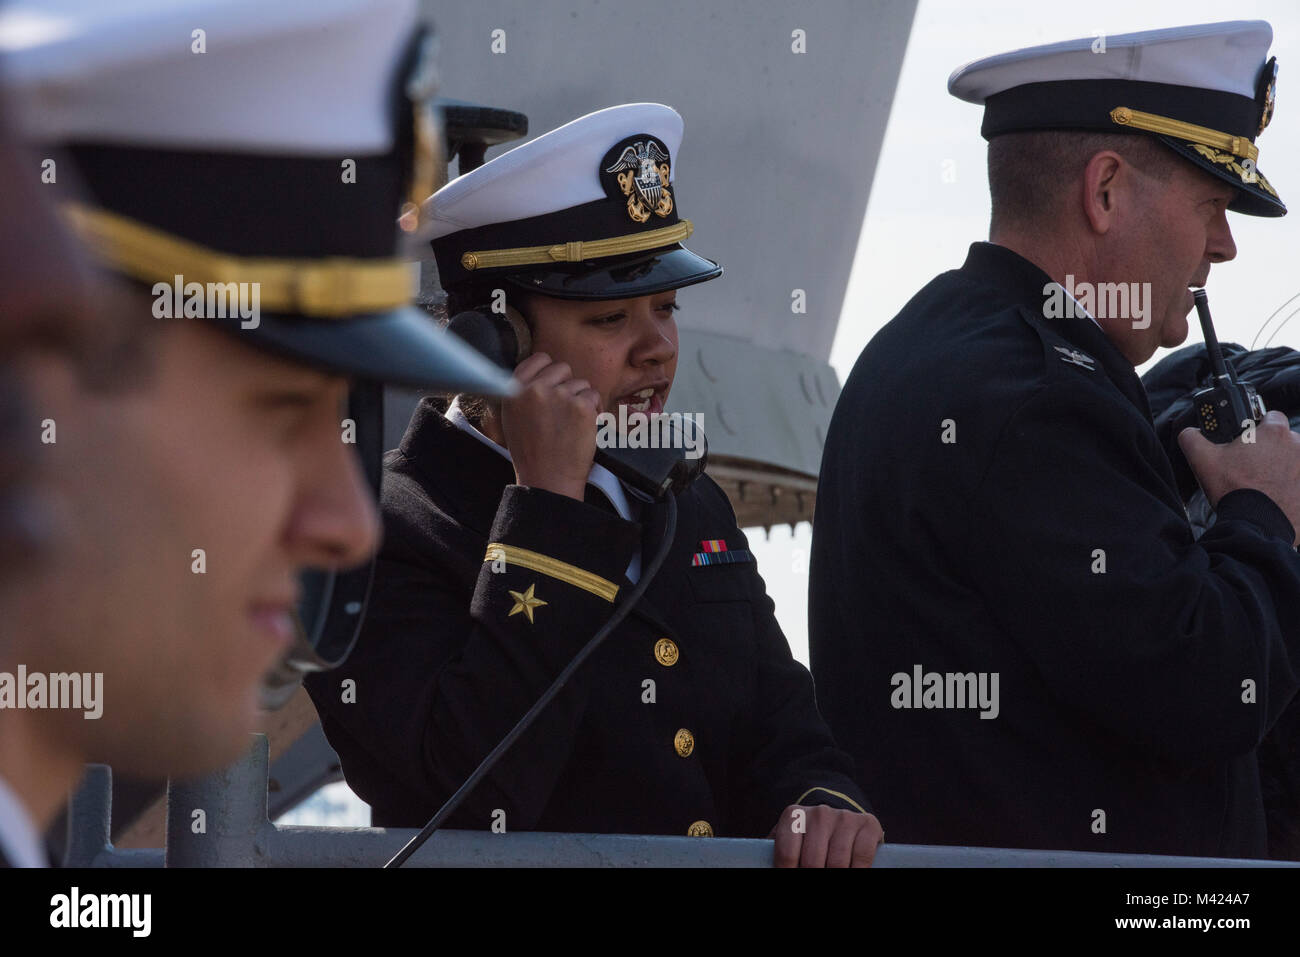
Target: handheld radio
<point x="1225" y="409"/>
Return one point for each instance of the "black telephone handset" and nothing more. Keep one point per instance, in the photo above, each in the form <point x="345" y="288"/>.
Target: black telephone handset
<point x="1224" y="409"/>
<point x="506" y="340"/>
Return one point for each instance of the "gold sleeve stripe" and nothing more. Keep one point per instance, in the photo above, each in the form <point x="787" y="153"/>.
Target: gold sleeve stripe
<point x="842" y="797"/>
<point x="330" y="288"/>
<point x="535" y="561"/>
<point x="578" y="250"/>
<point x="1153" y="123"/>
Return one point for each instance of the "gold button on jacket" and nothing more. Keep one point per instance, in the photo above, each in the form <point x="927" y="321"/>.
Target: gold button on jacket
<point x="666" y="652"/>
<point x="684" y="742"/>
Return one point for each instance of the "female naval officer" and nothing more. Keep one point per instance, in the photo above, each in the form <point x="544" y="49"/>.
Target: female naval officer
<point x="692" y="718"/>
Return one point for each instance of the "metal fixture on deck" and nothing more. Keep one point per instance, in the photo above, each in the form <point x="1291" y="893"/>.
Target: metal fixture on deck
<point x="236" y="832"/>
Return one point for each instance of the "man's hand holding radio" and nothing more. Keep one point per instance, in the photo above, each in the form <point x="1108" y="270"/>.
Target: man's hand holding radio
<point x="550" y="426"/>
<point x="1270" y="464"/>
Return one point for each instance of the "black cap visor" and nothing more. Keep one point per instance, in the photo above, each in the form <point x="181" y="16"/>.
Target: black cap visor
<point x="1253" y="197"/>
<point x="619" y="277"/>
<point x="401" y="347"/>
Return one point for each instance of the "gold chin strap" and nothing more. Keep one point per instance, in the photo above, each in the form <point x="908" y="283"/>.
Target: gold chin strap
<point x="579" y="250"/>
<point x="333" y="288"/>
<point x="1152" y="123"/>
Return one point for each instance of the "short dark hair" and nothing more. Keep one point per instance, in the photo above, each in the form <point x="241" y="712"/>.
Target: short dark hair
<point x="1029" y="172"/>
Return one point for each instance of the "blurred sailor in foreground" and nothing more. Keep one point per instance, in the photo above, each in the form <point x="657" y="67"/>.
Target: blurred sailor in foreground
<point x="1013" y="628"/>
<point x="47" y="302"/>
<point x="693" y="718"/>
<point x="197" y="480"/>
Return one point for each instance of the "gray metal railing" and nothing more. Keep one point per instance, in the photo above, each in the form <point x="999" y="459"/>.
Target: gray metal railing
<point x="221" y="821"/>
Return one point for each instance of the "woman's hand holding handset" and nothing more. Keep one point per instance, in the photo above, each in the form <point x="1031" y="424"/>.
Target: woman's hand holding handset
<point x="550" y="426"/>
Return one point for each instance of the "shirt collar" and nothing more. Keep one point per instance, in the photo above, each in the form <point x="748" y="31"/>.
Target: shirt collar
<point x="19" y="839"/>
<point x="1078" y="307"/>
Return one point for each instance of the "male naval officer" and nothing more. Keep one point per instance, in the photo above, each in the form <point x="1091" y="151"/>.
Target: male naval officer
<point x="195" y="482"/>
<point x="1013" y="629"/>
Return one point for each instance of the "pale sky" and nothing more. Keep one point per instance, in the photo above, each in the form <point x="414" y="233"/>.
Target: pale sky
<point x="917" y="225"/>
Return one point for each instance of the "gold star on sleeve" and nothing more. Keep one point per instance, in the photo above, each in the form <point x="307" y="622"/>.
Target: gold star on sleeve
<point x="525" y="602"/>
